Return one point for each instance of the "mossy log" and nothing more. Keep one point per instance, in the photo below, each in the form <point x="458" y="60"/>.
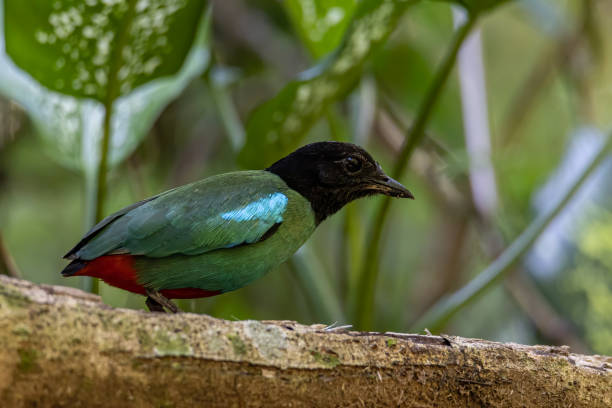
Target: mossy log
<point x="63" y="347"/>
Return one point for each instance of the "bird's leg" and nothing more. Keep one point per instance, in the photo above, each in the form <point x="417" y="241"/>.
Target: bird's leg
<point x="153" y="306"/>
<point x="156" y="302"/>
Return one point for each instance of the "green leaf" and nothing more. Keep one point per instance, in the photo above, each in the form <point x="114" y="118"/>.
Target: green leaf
<point x="74" y="47"/>
<point x="45" y="80"/>
<point x="320" y="23"/>
<point x="277" y="126"/>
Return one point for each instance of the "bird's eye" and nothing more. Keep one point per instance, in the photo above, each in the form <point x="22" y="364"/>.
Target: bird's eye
<point x="352" y="164"/>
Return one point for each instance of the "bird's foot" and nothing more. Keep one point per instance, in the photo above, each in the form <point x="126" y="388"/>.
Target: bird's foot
<point x="156" y="302"/>
<point x="153" y="306"/>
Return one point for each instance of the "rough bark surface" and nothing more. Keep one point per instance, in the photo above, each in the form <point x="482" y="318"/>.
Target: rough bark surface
<point x="63" y="347"/>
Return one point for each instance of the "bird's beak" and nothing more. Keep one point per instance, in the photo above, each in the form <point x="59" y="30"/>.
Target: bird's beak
<point x="388" y="186"/>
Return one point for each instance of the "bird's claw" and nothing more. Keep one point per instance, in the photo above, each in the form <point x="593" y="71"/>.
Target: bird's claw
<point x="156" y="302"/>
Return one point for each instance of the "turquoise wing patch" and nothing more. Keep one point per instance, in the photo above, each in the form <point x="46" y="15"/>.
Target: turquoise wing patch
<point x="257" y="217"/>
<point x="271" y="206"/>
<point x="202" y="218"/>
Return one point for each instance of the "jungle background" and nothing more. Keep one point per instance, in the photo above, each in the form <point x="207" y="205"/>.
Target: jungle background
<point x="504" y="145"/>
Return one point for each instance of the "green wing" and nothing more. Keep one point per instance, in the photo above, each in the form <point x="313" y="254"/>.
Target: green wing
<point x="218" y="212"/>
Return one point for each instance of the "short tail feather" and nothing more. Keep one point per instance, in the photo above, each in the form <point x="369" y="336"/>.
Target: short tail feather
<point x="73" y="267"/>
<point x="118" y="271"/>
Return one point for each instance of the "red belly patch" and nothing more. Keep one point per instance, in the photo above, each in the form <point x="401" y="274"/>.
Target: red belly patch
<point x="118" y="271"/>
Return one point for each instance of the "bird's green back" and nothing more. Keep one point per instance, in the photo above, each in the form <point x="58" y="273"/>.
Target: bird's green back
<point x="210" y="234"/>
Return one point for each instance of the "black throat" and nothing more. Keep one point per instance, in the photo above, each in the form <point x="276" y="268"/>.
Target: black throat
<point x="324" y="199"/>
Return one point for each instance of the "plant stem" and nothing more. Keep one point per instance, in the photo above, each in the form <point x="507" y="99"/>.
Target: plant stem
<point x="103" y="165"/>
<point x="101" y="177"/>
<point x="351" y="248"/>
<point x="364" y="301"/>
<point x="440" y="313"/>
<point x="112" y="92"/>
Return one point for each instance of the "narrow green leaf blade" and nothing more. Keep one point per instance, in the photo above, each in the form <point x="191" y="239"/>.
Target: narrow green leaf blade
<point x="442" y="311"/>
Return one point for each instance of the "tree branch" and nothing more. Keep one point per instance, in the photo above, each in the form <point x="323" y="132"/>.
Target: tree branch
<point x="61" y="346"/>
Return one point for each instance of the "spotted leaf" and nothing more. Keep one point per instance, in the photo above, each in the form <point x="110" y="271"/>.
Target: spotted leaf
<point x="277" y="127"/>
<point x="320" y="23"/>
<point x="62" y="60"/>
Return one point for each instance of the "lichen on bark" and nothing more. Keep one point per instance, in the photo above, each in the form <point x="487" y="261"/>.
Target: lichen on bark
<point x="63" y="347"/>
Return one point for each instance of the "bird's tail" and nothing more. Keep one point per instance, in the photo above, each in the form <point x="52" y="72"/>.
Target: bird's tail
<point x="73" y="267"/>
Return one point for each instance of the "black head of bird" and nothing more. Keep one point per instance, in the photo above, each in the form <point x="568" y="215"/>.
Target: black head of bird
<point x="332" y="174"/>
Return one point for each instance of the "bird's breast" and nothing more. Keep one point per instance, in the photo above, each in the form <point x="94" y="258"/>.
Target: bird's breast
<point x="232" y="268"/>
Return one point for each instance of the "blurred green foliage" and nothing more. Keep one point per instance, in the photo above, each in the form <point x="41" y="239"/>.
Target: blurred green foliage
<point x="584" y="291"/>
<point x="546" y="75"/>
<point x="478" y="6"/>
<point x="321" y="23"/>
<point x="93" y="76"/>
<point x="278" y="126"/>
<point x="67" y="49"/>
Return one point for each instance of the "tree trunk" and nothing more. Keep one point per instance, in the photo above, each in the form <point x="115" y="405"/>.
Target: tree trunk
<point x="63" y="347"/>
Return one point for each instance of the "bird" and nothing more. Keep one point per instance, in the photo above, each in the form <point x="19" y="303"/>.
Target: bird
<point x="223" y="232"/>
